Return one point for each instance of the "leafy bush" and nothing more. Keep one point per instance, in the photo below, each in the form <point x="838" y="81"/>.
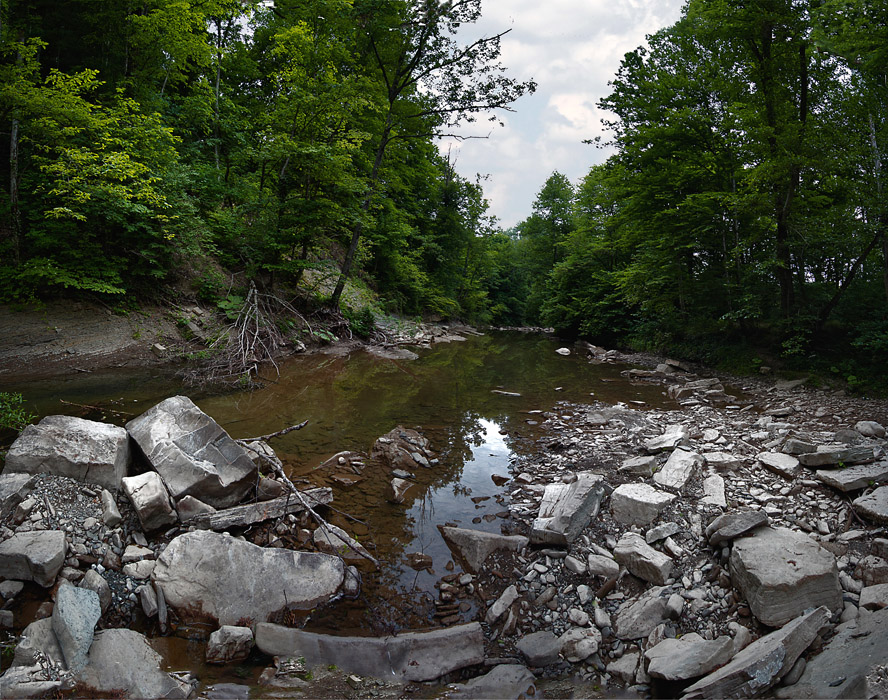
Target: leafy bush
<point x="13" y="415"/>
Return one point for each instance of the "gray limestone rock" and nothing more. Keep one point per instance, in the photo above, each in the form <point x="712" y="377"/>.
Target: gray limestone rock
<point x="410" y="656"/>
<point x="33" y="556"/>
<point x="688" y="657"/>
<point x="403" y="448"/>
<point x="503" y="603"/>
<point x="722" y="461"/>
<point x="74" y="618"/>
<point x="638" y="504"/>
<point x="763" y="663"/>
<point x="121" y="660"/>
<point x="228" y="644"/>
<point x="642" y="560"/>
<point x="540" y="648"/>
<point x="14" y="488"/>
<point x="193" y="454"/>
<point x="870" y="428"/>
<point x="854" y="478"/>
<point x="731" y="525"/>
<point x="874" y="505"/>
<point x="714" y="491"/>
<point x="190" y="507"/>
<point x="502" y="682"/>
<point x="95" y="582"/>
<point x="841" y="669"/>
<point x="97" y="453"/>
<point x="680" y="468"/>
<point x="568" y="508"/>
<point x="837" y="454"/>
<point x="205" y="574"/>
<point x="333" y="539"/>
<point x="782" y="573"/>
<point x="599" y="565"/>
<point x="640" y="466"/>
<point x="673" y="436"/>
<point x="150" y="500"/>
<point x="780" y="463"/>
<point x="874" y="597"/>
<point x="636" y="619"/>
<point x="110" y="512"/>
<point x="579" y="643"/>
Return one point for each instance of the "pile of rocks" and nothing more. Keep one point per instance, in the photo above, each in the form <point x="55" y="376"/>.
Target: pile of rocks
<point x="730" y="533"/>
<point x="123" y="522"/>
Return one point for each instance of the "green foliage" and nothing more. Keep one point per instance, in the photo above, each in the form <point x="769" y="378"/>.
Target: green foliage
<point x="13" y="415"/>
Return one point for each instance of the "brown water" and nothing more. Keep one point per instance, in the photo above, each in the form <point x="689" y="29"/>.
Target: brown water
<point x="351" y="400"/>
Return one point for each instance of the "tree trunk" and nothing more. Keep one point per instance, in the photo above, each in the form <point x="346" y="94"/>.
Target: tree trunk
<point x="15" y="214"/>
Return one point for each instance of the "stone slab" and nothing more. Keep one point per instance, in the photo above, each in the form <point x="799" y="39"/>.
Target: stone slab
<point x="874" y="506"/>
<point x="638" y="504"/>
<point x="568" y="508"/>
<point x="474" y="546"/>
<point x="680" y="468"/>
<point x="33" y="556"/>
<point x="854" y="478"/>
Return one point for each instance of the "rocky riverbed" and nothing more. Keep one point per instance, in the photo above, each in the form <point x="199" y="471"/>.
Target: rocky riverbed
<point x="733" y="545"/>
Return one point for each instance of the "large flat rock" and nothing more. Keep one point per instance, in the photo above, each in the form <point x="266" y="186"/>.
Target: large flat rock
<point x="638" y="504"/>
<point x="854" y="478"/>
<point x="783" y="573"/>
<point x="874" y="505"/>
<point x="474" y="546"/>
<point x="97" y="453"/>
<point x="642" y="560"/>
<point x="207" y="575"/>
<point x="688" y="657"/>
<point x="568" y="508"/>
<point x="840" y="670"/>
<point x="763" y="663"/>
<point x="412" y="656"/>
<point x="74" y="617"/>
<point x="193" y="454"/>
<point x="33" y="556"/>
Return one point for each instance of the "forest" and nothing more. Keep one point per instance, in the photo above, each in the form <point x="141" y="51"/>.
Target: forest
<point x="740" y="220"/>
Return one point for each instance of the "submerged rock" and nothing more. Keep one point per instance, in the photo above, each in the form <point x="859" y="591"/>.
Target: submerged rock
<point x="207" y="575"/>
<point x="402" y="448"/>
<point x="411" y="656"/>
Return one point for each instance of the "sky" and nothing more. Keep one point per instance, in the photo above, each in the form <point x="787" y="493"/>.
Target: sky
<point x="571" y="48"/>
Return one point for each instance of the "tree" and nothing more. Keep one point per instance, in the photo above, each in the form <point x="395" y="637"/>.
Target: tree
<point x="429" y="82"/>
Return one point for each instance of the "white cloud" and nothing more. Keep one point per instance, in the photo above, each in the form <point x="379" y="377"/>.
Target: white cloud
<point x="572" y="48"/>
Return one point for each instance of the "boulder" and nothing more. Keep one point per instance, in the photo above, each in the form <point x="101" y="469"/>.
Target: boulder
<point x="193" y="454"/>
<point x="722" y="461"/>
<point x="229" y="644"/>
<point x="638" y="504"/>
<point x="94" y="581"/>
<point x="763" y="663"/>
<point x="731" y="525"/>
<point x="410" y="656"/>
<point x="97" y="453"/>
<point x="642" y="560"/>
<point x="640" y="466"/>
<point x="110" y="512"/>
<point x="625" y="667"/>
<point x="674" y="436"/>
<point x="600" y="565"/>
<point x="780" y="463"/>
<point x="636" y="619"/>
<point x="402" y="448"/>
<point x="854" y="478"/>
<point x="872" y="570"/>
<point x="837" y="454"/>
<point x="207" y="575"/>
<point x="121" y="661"/>
<point x="680" y="468"/>
<point x="473" y="547"/>
<point x="33" y="556"/>
<point x="150" y="500"/>
<point x="841" y="669"/>
<point x="14" y="488"/>
<point x="688" y="657"/>
<point x="869" y="428"/>
<point x="873" y="505"/>
<point x="579" y="643"/>
<point x="540" y="648"/>
<point x="502" y="682"/>
<point x="74" y="618"/>
<point x="874" y="597"/>
<point x="190" y="507"/>
<point x="782" y="573"/>
<point x="568" y="508"/>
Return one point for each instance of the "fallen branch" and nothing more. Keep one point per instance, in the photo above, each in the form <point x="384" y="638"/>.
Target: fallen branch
<point x="278" y="468"/>
<point x="279" y="433"/>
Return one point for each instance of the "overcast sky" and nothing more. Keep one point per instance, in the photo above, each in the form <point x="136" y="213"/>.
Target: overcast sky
<point x="571" y="48"/>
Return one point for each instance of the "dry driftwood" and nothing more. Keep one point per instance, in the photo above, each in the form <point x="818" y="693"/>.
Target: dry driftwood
<point x="241" y="516"/>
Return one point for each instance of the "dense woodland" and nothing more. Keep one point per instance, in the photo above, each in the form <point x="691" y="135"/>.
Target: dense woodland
<point x="741" y="218"/>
